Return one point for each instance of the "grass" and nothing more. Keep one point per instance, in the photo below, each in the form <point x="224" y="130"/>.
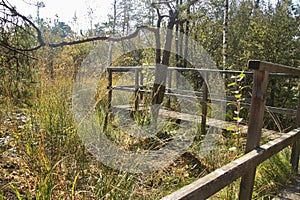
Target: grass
<point x="271" y="177"/>
<point x="44" y="158"/>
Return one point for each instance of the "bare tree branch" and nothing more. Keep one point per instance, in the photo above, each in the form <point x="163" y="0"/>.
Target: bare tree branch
<point x="42" y="43"/>
<point x="104" y="38"/>
<point x="19" y="52"/>
<point x="15" y="13"/>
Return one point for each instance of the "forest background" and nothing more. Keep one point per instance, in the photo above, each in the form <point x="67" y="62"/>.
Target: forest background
<point x="41" y="155"/>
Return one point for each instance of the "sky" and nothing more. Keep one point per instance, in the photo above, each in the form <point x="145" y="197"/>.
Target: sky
<point x="66" y="9"/>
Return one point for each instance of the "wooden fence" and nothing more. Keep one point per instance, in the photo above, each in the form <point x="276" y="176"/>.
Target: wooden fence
<point x="255" y="154"/>
<point x="203" y="97"/>
<point x="245" y="166"/>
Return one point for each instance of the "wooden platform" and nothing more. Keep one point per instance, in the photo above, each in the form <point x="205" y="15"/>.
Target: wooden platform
<point x="292" y="191"/>
<point x="210" y="122"/>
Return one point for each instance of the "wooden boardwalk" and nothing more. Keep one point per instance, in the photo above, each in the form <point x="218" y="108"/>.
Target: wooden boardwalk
<point x="292" y="191"/>
<point x="245" y="166"/>
<point x="210" y="122"/>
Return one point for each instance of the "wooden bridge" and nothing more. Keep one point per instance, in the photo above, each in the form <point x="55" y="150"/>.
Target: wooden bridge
<point x="255" y="154"/>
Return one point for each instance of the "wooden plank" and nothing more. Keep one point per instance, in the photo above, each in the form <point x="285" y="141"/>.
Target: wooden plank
<point x="213" y="182"/>
<point x="257" y="108"/>
<point x="204" y="104"/>
<point x="271" y="67"/>
<point x="229" y="72"/>
<point x="211" y="122"/>
<point x="136" y="89"/>
<point x="291" y="191"/>
<point x="124" y="88"/>
<point x="128" y="68"/>
<point x="286" y="111"/>
<point x="195" y="95"/>
<point x="296" y="146"/>
<point x="141" y="86"/>
<point x="109" y="87"/>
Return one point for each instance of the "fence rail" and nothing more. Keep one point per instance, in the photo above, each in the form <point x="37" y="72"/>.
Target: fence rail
<point x="245" y="166"/>
<point x="215" y="181"/>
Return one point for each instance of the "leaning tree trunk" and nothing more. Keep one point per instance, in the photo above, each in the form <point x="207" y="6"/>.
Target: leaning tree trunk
<point x="161" y="70"/>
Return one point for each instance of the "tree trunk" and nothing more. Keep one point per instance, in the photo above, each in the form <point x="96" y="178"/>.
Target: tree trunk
<point x="161" y="70"/>
<point x="187" y="30"/>
<point x="225" y="31"/>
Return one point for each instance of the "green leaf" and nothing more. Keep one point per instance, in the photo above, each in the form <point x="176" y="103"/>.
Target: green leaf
<point x="238" y="96"/>
<point x="232" y="84"/>
<point x="145" y="63"/>
<point x="230" y="128"/>
<point x="241" y="75"/>
<point x="18" y="194"/>
<point x="238" y="119"/>
<point x="244" y="87"/>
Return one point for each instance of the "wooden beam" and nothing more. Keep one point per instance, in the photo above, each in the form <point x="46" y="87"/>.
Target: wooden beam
<point x="204" y="104"/>
<point x="109" y="87"/>
<point x="271" y="67"/>
<point x="257" y="108"/>
<point x="179" y="69"/>
<point x="198" y="95"/>
<point x="136" y="89"/>
<point x="215" y="181"/>
<point x="296" y="146"/>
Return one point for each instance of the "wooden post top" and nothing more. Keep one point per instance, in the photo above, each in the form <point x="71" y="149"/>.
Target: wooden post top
<point x="272" y="67"/>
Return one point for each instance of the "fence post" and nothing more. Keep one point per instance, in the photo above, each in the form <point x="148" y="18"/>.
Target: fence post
<point x="169" y="85"/>
<point x="258" y="100"/>
<point x="204" y="103"/>
<point x="136" y="89"/>
<point x="141" y="82"/>
<point x="296" y="145"/>
<point x="109" y="87"/>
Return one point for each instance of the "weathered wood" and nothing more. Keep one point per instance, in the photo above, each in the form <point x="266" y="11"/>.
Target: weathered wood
<point x="227" y="72"/>
<point x="136" y="89"/>
<point x="271" y="67"/>
<point x="168" y="88"/>
<point x="128" y="68"/>
<point x="259" y="90"/>
<point x="195" y="95"/>
<point x="204" y="104"/>
<point x="211" y="122"/>
<point x="109" y="87"/>
<point x="296" y="146"/>
<point x="285" y="111"/>
<point x="141" y="83"/>
<point x="213" y="182"/>
<point x="124" y="88"/>
<point x="246" y="165"/>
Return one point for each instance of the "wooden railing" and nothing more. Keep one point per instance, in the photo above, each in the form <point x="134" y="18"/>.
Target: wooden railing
<point x="245" y="166"/>
<point x="203" y="96"/>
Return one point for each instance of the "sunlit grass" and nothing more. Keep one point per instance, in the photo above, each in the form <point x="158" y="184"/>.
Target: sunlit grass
<point x="53" y="162"/>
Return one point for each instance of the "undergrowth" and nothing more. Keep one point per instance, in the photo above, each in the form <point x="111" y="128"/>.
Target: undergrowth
<point x="42" y="157"/>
